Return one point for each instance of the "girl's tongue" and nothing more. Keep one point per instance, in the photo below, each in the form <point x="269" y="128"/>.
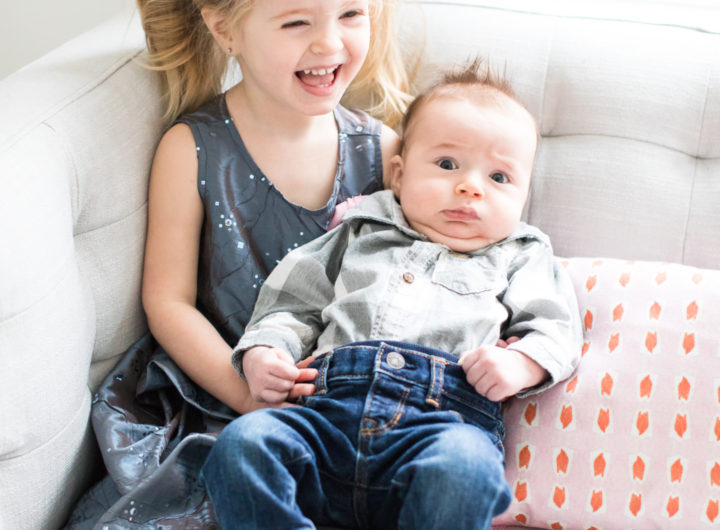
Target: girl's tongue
<point x="318" y="79"/>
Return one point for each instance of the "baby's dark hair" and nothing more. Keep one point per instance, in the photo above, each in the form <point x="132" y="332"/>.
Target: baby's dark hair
<point x="476" y="79"/>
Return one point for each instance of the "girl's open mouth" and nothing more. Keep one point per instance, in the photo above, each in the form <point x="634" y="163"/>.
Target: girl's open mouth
<point x="318" y="77"/>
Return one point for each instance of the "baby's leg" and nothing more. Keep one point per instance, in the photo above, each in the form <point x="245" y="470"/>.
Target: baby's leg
<point x="263" y="471"/>
<point x="455" y="480"/>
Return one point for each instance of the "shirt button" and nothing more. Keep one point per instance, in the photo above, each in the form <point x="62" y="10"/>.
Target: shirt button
<point x="408" y="277"/>
<point x="395" y="360"/>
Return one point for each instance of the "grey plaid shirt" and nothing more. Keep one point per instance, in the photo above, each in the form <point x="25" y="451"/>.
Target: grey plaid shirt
<point x="375" y="278"/>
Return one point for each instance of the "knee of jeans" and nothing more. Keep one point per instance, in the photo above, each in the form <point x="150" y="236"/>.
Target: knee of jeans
<point x="466" y="455"/>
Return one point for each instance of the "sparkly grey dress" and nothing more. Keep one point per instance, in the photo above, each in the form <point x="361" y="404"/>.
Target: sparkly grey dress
<point x="153" y="425"/>
<point x="249" y="225"/>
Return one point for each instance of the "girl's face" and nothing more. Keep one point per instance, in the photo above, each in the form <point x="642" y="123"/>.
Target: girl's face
<point x="301" y="55"/>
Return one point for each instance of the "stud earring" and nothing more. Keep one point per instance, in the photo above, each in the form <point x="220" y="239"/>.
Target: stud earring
<point x="229" y="51"/>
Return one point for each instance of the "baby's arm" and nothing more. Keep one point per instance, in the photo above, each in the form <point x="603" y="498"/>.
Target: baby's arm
<point x="545" y="325"/>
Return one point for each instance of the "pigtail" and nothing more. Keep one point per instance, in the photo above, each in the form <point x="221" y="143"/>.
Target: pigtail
<point x="181" y="47"/>
<point x="382" y="85"/>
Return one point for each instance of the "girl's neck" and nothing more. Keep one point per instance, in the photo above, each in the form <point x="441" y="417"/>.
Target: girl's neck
<point x="263" y="116"/>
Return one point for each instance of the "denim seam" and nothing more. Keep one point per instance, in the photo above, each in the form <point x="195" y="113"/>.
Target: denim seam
<point x="370" y="431"/>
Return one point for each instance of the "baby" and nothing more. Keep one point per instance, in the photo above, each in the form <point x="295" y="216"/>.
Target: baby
<point x="405" y="307"/>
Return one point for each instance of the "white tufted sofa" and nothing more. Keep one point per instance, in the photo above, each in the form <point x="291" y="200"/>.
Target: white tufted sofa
<point x="628" y="167"/>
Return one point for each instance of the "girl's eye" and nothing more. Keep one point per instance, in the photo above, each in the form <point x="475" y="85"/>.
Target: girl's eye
<point x="294" y="24"/>
<point x="351" y="14"/>
<point x="499" y="177"/>
<point x="446" y="163"/>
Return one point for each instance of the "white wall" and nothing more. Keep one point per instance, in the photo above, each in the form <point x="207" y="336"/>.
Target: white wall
<point x="31" y="28"/>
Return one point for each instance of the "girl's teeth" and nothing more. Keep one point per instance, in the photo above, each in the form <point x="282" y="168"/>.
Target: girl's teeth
<point x="321" y="71"/>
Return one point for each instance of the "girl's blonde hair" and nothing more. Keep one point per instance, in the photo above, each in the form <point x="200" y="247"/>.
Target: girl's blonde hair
<point x="181" y="47"/>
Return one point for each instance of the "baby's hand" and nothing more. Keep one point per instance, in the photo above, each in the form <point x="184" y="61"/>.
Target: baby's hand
<point x="342" y="208"/>
<point x="271" y="374"/>
<point x="498" y="373"/>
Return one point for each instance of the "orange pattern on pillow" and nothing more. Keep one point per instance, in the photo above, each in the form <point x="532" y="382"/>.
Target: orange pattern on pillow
<point x="632" y="439"/>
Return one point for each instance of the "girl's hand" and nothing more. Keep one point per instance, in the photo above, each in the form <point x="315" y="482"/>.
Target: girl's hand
<point x="498" y="373"/>
<point x="505" y="343"/>
<point x="271" y="374"/>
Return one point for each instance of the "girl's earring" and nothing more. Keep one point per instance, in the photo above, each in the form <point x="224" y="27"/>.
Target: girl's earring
<point x="229" y="51"/>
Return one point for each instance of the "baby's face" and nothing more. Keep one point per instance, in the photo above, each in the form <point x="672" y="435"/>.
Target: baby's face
<point x="465" y="171"/>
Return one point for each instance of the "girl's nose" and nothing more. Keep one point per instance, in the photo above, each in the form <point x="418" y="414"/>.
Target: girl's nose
<point x="470" y="188"/>
<point x="326" y="41"/>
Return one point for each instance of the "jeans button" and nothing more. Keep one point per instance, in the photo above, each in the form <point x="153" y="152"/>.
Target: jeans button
<point x="395" y="360"/>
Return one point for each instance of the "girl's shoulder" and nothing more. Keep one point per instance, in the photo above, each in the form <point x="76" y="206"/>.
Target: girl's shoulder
<point x="212" y="111"/>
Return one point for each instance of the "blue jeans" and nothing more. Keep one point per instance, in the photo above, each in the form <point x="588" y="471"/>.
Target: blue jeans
<point x="394" y="437"/>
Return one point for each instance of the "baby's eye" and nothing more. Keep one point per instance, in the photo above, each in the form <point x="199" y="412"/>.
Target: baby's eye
<point x="499" y="177"/>
<point x="446" y="163"/>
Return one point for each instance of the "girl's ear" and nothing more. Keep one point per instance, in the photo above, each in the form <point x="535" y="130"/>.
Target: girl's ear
<point x="396" y="173"/>
<point x="216" y="22"/>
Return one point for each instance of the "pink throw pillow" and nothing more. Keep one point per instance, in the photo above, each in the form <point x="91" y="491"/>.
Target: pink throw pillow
<point x="632" y="439"/>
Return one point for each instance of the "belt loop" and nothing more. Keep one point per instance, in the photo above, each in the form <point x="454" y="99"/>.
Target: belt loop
<point x="321" y="385"/>
<point x="437" y="373"/>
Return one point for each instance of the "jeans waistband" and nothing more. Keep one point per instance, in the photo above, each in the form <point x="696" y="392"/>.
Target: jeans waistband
<point x="436" y="370"/>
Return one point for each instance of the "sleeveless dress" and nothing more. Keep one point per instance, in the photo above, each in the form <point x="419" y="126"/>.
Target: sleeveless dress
<point x="153" y="425"/>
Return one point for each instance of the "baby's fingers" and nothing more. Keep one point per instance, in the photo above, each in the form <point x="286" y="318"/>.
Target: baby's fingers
<point x="306" y="374"/>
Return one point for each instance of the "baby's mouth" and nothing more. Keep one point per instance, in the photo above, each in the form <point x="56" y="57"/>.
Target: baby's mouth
<point x="318" y="77"/>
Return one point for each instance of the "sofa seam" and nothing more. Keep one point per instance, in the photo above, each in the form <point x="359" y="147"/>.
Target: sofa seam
<point x="64" y="428"/>
<point x="572" y="17"/>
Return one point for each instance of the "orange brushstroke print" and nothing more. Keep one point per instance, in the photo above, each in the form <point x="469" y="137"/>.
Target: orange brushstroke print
<point x="606" y="385"/>
<point x="697" y="277"/>
<point x="521" y="491"/>
<point x="713" y="508"/>
<point x="618" y="312"/>
<point x="603" y="419"/>
<point x="585" y="348"/>
<point x="561" y="462"/>
<point x="588" y="320"/>
<point x="614" y="342"/>
<point x="599" y="465"/>
<point x="635" y="503"/>
<point x="624" y="279"/>
<point x="684" y="389"/>
<point x="676" y="471"/>
<point x="691" y="312"/>
<point x="596" y="500"/>
<point x="717" y="429"/>
<point x="521" y="518"/>
<point x="639" y="469"/>
<point x="559" y="496"/>
<point x="673" y="506"/>
<point x="572" y="385"/>
<point x="524" y="457"/>
<point x="591" y="282"/>
<point x="715" y="475"/>
<point x="680" y="424"/>
<point x="651" y="340"/>
<point x="643" y="422"/>
<point x="688" y="342"/>
<point x="660" y="278"/>
<point x="530" y="413"/>
<point x="655" y="310"/>
<point x="556" y="526"/>
<point x="646" y="386"/>
<point x="566" y="415"/>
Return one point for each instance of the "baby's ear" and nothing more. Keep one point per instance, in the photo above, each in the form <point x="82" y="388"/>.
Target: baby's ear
<point x="396" y="173"/>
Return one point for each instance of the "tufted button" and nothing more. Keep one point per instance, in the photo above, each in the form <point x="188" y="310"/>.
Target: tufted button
<point x="408" y="277"/>
<point x="395" y="360"/>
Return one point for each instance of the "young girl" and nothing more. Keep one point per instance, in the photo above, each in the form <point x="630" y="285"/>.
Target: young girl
<point x="258" y="170"/>
<point x="239" y="179"/>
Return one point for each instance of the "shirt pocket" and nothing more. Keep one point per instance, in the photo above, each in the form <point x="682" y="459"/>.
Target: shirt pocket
<point x="465" y="275"/>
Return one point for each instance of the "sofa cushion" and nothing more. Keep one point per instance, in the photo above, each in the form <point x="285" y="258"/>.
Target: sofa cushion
<point x="633" y="437"/>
